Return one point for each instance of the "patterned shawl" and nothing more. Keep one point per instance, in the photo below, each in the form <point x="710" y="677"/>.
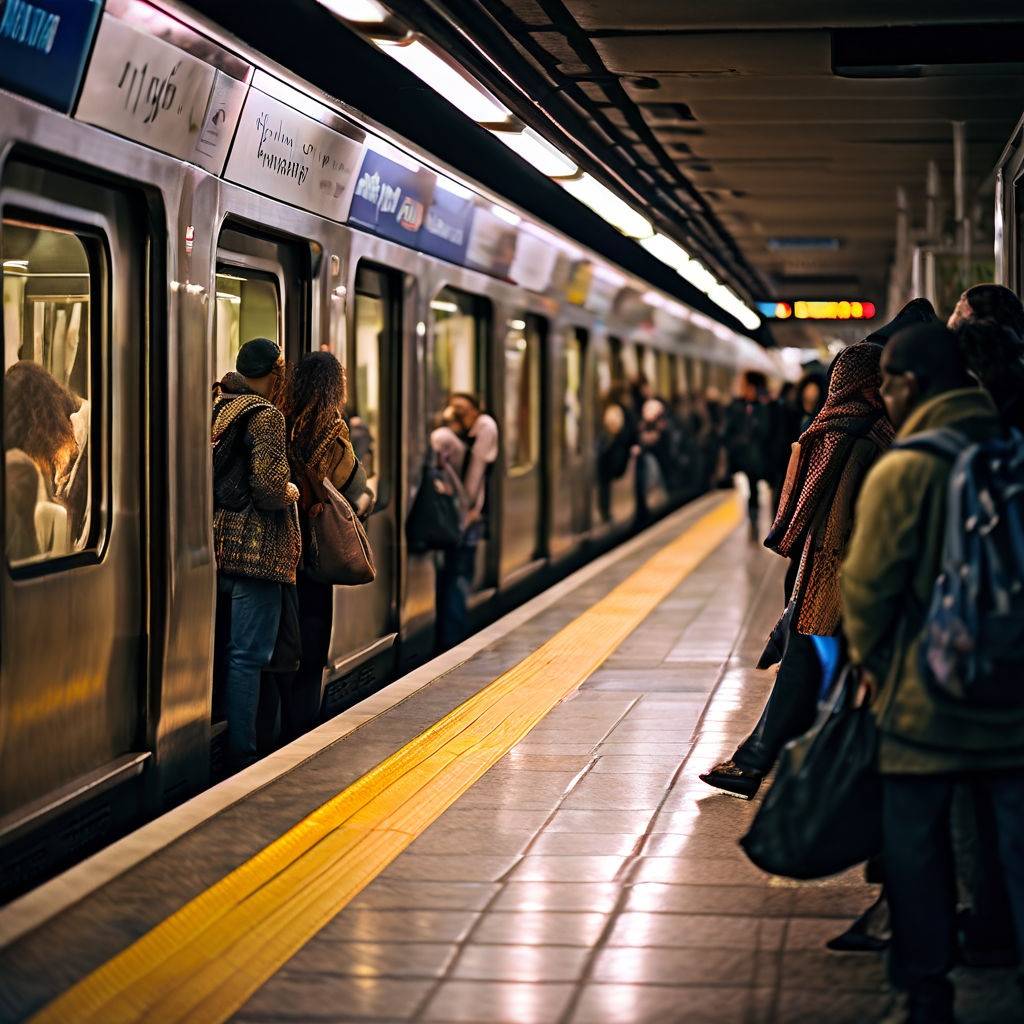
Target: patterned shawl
<point x="853" y="408"/>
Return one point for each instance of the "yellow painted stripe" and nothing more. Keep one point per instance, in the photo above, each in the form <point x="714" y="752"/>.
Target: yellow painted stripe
<point x="203" y="962"/>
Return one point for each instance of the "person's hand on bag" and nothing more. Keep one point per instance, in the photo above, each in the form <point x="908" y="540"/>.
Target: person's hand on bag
<point x="867" y="688"/>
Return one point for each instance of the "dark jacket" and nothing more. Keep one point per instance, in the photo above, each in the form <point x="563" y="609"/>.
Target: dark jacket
<point x="255" y="522"/>
<point x="892" y="562"/>
<point x="748" y="437"/>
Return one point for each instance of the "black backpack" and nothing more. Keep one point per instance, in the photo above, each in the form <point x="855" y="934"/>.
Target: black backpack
<point x="972" y="644"/>
<point x="433" y="521"/>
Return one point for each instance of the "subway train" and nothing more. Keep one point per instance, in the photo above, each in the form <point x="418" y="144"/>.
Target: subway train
<point x="166" y="195"/>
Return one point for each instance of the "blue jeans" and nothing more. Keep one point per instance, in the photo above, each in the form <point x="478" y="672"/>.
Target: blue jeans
<point x="255" y="616"/>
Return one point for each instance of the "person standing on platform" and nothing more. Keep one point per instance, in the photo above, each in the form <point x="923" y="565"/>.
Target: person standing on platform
<point x="255" y="527"/>
<point x="457" y="566"/>
<point x="319" y="447"/>
<point x="748" y="435"/>
<point x="811" y="529"/>
<point x="927" y="744"/>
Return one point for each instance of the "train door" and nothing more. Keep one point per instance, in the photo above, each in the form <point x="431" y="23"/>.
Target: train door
<point x="74" y="656"/>
<point x="365" y="617"/>
<point x="262" y="291"/>
<point x="522" y="519"/>
<point x="461" y="325"/>
<point x="570" y="507"/>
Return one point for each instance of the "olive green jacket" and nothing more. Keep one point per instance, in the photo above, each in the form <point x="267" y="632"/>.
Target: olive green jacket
<point x="892" y="562"/>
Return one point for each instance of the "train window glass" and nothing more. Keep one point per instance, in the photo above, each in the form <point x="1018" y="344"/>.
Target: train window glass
<point x="572" y="397"/>
<point x="522" y="390"/>
<point x="663" y="388"/>
<point x="51" y="280"/>
<point x="248" y="306"/>
<point x="373" y="328"/>
<point x="629" y="364"/>
<point x="649" y="365"/>
<point x="457" y="328"/>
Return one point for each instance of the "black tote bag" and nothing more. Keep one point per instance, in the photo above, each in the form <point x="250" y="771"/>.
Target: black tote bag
<point x="823" y="813"/>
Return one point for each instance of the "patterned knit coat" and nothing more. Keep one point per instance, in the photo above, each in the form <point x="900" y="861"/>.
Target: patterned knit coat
<point x="257" y="536"/>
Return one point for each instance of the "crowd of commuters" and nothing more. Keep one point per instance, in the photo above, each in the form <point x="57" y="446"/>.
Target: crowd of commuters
<point x="862" y="515"/>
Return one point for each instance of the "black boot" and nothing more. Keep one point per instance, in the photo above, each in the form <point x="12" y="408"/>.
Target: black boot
<point x="870" y="933"/>
<point x="730" y="778"/>
<point x="930" y="1002"/>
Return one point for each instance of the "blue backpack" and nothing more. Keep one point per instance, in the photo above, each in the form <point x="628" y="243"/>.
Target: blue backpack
<point x="972" y="644"/>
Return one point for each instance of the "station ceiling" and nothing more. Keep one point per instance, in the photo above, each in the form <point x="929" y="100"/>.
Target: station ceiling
<point x="768" y="122"/>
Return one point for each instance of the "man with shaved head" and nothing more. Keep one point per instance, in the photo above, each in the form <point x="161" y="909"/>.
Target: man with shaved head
<point x="926" y="744"/>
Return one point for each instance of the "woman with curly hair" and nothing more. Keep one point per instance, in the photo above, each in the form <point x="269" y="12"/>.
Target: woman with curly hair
<point x="318" y="446"/>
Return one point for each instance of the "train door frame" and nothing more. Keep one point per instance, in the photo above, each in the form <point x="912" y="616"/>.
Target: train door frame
<point x="102" y="784"/>
<point x="353" y="670"/>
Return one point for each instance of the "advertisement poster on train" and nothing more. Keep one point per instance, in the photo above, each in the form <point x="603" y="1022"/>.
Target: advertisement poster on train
<point x="492" y="242"/>
<point x="391" y="199"/>
<point x="290" y="156"/>
<point x="445" y="231"/>
<point x="44" y="45"/>
<point x="146" y="89"/>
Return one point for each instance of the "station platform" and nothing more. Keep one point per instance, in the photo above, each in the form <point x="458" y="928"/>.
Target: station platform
<point x="514" y="832"/>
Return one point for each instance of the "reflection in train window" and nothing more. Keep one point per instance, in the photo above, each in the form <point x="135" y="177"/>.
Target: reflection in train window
<point x="51" y="283"/>
<point x="522" y="390"/>
<point x="572" y="397"/>
<point x="248" y="306"/>
<point x="373" y="311"/>
<point x="458" y="324"/>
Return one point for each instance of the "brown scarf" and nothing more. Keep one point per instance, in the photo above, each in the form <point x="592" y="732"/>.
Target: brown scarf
<point x="853" y="409"/>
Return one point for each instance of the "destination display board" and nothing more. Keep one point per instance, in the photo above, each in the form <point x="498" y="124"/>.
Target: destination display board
<point x="445" y="231"/>
<point x="290" y="156"/>
<point x="44" y="45"/>
<point x="153" y="92"/>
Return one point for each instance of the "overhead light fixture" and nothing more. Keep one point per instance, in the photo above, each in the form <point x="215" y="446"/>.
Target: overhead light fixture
<point x="441" y="306"/>
<point x="698" y="275"/>
<point x="608" y="205"/>
<point x="538" y="152"/>
<point x="451" y="82"/>
<point x="664" y="249"/>
<point x="517" y="325"/>
<point x="362" y="12"/>
<point x="506" y="215"/>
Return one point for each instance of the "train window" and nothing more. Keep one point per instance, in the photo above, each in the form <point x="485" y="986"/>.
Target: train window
<point x="663" y="388"/>
<point x="572" y="397"/>
<point x="51" y="289"/>
<point x="374" y="313"/>
<point x="248" y="306"/>
<point x="458" y="327"/>
<point x="522" y="390"/>
<point x="617" y="364"/>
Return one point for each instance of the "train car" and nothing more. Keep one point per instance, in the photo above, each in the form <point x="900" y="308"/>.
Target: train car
<point x="152" y="220"/>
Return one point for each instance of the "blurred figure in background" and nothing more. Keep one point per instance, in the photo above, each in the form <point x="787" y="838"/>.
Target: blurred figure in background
<point x="748" y="438"/>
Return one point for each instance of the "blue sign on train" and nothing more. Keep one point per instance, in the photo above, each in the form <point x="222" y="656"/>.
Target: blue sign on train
<point x="446" y="229"/>
<point x="44" y="45"/>
<point x="391" y="199"/>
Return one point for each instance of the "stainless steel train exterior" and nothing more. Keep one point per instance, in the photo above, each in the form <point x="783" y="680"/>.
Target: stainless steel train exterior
<point x="106" y="709"/>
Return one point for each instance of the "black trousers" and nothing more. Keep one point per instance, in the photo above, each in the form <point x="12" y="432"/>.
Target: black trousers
<point x="791" y="708"/>
<point x="920" y="874"/>
<point x="753" y="500"/>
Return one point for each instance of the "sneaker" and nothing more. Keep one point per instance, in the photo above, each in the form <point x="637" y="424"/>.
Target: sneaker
<point x="732" y="779"/>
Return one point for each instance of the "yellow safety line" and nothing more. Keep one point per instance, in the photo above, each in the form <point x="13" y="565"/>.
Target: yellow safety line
<point x="203" y="962"/>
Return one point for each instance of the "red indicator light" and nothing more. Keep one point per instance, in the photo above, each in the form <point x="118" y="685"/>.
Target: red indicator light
<point x="869" y="310"/>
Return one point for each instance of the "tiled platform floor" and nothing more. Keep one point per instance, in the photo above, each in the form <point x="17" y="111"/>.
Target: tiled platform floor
<point x="590" y="877"/>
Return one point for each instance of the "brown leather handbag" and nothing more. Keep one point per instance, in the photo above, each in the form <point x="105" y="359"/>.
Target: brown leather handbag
<point x="337" y="548"/>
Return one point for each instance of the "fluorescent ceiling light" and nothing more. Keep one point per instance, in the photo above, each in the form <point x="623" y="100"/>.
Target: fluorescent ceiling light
<point x="444" y="307"/>
<point x="517" y="325"/>
<point x="608" y="205"/>
<point x="15" y="264"/>
<point x="454" y="85"/>
<point x="364" y="12"/>
<point x="538" y="152"/>
<point x="698" y="275"/>
<point x="664" y="249"/>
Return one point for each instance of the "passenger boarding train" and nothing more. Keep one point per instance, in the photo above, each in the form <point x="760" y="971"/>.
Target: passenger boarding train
<point x="165" y="196"/>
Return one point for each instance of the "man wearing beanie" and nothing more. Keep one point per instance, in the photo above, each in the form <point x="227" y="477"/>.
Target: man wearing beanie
<point x="255" y="527"/>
